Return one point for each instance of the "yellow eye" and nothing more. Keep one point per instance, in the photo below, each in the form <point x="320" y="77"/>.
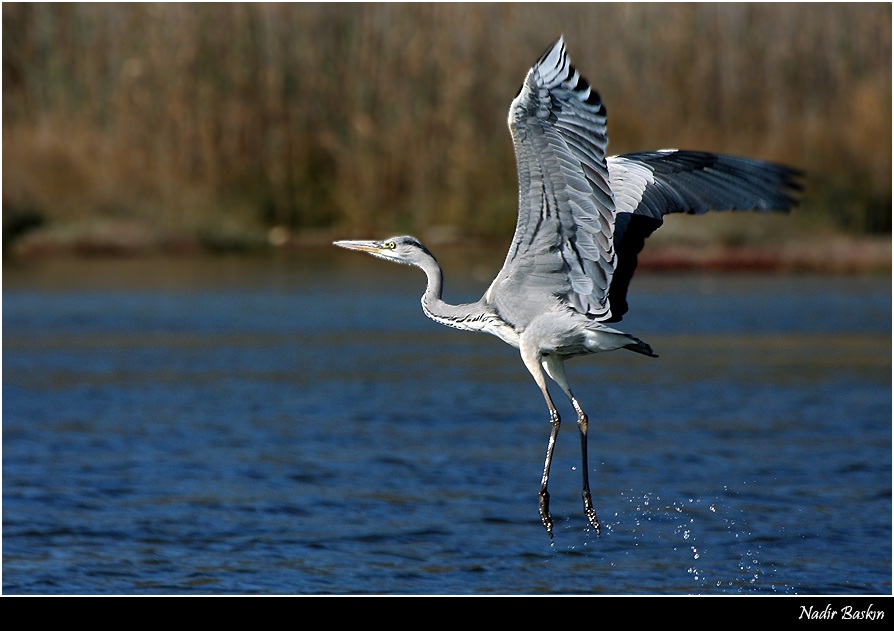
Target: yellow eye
<point x="390" y="245"/>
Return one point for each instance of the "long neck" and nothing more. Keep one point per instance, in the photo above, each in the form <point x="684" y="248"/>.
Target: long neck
<point x="464" y="316"/>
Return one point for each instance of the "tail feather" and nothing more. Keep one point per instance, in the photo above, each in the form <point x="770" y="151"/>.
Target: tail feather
<point x="638" y="346"/>
<point x="600" y="338"/>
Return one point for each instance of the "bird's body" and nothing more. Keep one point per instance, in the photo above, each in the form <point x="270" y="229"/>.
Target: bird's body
<point x="583" y="218"/>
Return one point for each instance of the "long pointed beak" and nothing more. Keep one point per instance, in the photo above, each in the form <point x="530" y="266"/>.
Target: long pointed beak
<point x="363" y="246"/>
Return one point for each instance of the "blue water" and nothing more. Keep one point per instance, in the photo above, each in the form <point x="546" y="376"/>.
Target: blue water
<point x="282" y="426"/>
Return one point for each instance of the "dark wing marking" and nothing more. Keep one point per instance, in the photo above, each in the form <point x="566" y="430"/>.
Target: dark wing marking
<point x="649" y="185"/>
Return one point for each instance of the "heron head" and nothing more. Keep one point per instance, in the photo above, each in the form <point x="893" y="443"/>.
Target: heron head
<point x="405" y="249"/>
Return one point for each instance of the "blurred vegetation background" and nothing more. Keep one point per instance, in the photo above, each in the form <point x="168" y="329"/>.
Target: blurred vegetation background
<point x="182" y="127"/>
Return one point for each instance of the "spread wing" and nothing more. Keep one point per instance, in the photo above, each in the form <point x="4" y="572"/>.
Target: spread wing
<point x="583" y="218"/>
<point x="647" y="186"/>
<point x="563" y="244"/>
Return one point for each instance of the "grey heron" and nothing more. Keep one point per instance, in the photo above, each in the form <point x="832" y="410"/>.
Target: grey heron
<point x="582" y="220"/>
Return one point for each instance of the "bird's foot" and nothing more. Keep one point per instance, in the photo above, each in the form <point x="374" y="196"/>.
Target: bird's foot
<point x="594" y="521"/>
<point x="591" y="513"/>
<point x="545" y="517"/>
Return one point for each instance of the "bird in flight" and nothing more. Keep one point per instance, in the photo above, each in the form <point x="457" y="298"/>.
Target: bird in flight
<point x="583" y="218"/>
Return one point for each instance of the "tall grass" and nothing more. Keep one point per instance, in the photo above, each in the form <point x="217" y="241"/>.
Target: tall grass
<point x="382" y="117"/>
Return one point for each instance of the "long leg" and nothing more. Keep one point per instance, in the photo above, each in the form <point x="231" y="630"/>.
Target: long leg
<point x="532" y="361"/>
<point x="555" y="421"/>
<point x="555" y="368"/>
<point x="588" y="501"/>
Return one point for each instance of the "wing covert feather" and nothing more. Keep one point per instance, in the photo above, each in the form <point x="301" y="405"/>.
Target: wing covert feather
<point x="563" y="244"/>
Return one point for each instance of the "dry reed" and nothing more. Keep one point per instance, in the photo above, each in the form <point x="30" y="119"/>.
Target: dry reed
<point x="207" y="118"/>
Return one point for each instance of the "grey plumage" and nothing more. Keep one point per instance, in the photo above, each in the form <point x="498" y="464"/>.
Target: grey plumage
<point x="583" y="218"/>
